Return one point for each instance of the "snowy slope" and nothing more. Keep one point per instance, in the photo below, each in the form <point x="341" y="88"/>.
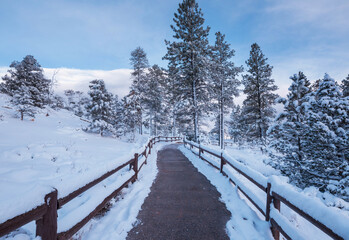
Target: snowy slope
<point x="51" y="152"/>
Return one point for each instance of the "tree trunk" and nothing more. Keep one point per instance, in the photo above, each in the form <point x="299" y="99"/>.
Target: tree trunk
<point x="195" y="113"/>
<point x="221" y="118"/>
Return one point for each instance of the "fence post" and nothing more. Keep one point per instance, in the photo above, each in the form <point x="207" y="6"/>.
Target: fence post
<point x="46" y="227"/>
<point x="145" y="155"/>
<point x="269" y="198"/>
<point x="199" y="151"/>
<point x="149" y="145"/>
<point x="277" y="205"/>
<point x="222" y="162"/>
<point x="135" y="165"/>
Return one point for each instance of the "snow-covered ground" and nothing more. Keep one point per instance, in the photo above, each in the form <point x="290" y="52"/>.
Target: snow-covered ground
<point x="256" y="160"/>
<point x="52" y="152"/>
<point x="332" y="211"/>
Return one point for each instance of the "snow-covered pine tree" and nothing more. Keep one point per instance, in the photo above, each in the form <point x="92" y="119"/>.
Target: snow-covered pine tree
<point x="287" y="134"/>
<point x="345" y="86"/>
<point x="153" y="99"/>
<point x="259" y="88"/>
<point x="139" y="63"/>
<point x="234" y="125"/>
<point x="117" y="116"/>
<point x="190" y="53"/>
<point x="129" y="116"/>
<point x="224" y="84"/>
<point x="327" y="134"/>
<point x="27" y="73"/>
<point x="75" y="101"/>
<point x="99" y="108"/>
<point x="171" y="100"/>
<point x="22" y="100"/>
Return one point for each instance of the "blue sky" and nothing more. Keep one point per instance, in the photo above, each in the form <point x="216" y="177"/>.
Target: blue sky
<point x="307" y="35"/>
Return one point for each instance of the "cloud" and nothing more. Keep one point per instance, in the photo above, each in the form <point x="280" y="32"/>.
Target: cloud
<point x="117" y="81"/>
<point x="322" y="14"/>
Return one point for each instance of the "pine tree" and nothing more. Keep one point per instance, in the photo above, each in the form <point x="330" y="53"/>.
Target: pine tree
<point x="345" y="86"/>
<point x="117" y="118"/>
<point x="75" y="101"/>
<point x="139" y="63"/>
<point x="288" y="131"/>
<point x="189" y="55"/>
<point x="99" y="109"/>
<point x="216" y="129"/>
<point x="27" y="73"/>
<point x="22" y="100"/>
<point x="170" y="88"/>
<point x="327" y="134"/>
<point x="153" y="100"/>
<point x="235" y="127"/>
<point x="259" y="87"/>
<point x="224" y="84"/>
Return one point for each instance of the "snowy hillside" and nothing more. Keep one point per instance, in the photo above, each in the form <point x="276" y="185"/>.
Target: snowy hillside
<point x="51" y="152"/>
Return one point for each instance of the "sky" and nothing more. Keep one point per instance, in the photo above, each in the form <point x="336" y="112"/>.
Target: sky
<point x="89" y="39"/>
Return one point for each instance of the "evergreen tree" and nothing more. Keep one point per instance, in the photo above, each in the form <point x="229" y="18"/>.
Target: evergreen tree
<point x="75" y="101"/>
<point x="327" y="133"/>
<point x="99" y="109"/>
<point x="154" y="91"/>
<point x="224" y="85"/>
<point x="235" y="127"/>
<point x="22" y="100"/>
<point x="189" y="54"/>
<point x="27" y="76"/>
<point x="345" y="86"/>
<point x="139" y="63"/>
<point x="288" y="131"/>
<point x="259" y="87"/>
<point x="129" y="116"/>
<point x="117" y="116"/>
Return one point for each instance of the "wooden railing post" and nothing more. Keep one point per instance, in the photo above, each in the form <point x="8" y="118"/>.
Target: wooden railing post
<point x="222" y="162"/>
<point x="145" y="155"/>
<point x="46" y="227"/>
<point x="135" y="165"/>
<point x="277" y="205"/>
<point x="269" y="198"/>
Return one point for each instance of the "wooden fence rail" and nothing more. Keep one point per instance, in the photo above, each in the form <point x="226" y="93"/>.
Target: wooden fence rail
<point x="271" y="209"/>
<point x="45" y="215"/>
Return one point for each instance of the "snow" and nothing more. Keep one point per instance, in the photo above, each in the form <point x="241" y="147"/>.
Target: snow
<point x="244" y="222"/>
<point x="122" y="216"/>
<point x="51" y="152"/>
<point x="324" y="207"/>
<point x="332" y="217"/>
<point x="77" y="209"/>
<point x="284" y="223"/>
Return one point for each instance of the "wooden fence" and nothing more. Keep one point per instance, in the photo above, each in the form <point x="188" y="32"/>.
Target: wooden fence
<point x="45" y="215"/>
<point x="273" y="199"/>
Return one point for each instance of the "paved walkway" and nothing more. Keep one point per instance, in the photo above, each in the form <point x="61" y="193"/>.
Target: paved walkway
<point x="182" y="203"/>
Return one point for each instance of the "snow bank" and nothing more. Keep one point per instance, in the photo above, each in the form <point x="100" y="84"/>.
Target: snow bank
<point x="332" y="217"/>
<point x="51" y="152"/>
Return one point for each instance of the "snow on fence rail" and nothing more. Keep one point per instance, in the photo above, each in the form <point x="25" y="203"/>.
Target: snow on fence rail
<point x="45" y="215"/>
<point x="329" y="221"/>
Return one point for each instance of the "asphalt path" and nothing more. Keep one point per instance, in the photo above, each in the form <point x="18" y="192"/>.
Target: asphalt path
<point x="182" y="203"/>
